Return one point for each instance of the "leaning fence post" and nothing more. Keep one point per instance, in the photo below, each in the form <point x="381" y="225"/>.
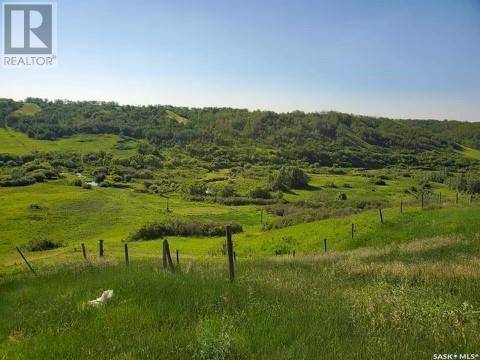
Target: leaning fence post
<point x="381" y="215"/>
<point x="100" y="247"/>
<point x="231" y="265"/>
<point x="84" y="251"/>
<point x="126" y="254"/>
<point x="26" y="261"/>
<point x="167" y="259"/>
<point x="325" y="244"/>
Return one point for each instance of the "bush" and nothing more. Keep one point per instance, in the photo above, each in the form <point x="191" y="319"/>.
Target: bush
<point x="380" y="182"/>
<point x="226" y="190"/>
<point x="342" y="196"/>
<point x="77" y="182"/>
<point x="42" y="245"/>
<point x="196" y="188"/>
<point x="288" y="178"/>
<point x="260" y="193"/>
<point x="181" y="227"/>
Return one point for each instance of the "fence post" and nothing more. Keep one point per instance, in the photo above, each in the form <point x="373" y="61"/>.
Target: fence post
<point x="26" y="261"/>
<point x="456" y="200"/>
<point x="381" y="215"/>
<point x="261" y="217"/>
<point x="422" y="200"/>
<point x="353" y="229"/>
<point x="84" y="251"/>
<point x="167" y="259"/>
<point x="126" y="254"/>
<point x="401" y="206"/>
<point x="178" y="259"/>
<point x="100" y="247"/>
<point x="325" y="244"/>
<point x="231" y="265"/>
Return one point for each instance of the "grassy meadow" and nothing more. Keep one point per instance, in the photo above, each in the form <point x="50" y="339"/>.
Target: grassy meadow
<point x="409" y="300"/>
<point x="405" y="288"/>
<point x="17" y="143"/>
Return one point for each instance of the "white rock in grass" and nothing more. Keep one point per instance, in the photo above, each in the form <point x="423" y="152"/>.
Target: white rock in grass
<point x="106" y="295"/>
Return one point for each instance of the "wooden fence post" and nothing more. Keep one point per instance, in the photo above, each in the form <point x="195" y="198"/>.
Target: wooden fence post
<point x="178" y="259"/>
<point x="126" y="254"/>
<point x="422" y="200"/>
<point x="381" y="215"/>
<point x="353" y="230"/>
<point x="261" y="217"/>
<point x="84" y="251"/>
<point x="100" y="247"/>
<point x="325" y="244"/>
<point x="231" y="265"/>
<point x="456" y="200"/>
<point x="26" y="261"/>
<point x="167" y="259"/>
<point x="401" y="206"/>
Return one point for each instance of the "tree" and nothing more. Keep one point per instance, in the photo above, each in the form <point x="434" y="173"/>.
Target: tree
<point x="288" y="178"/>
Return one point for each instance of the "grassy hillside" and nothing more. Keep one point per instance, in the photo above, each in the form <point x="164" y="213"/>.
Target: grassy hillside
<point x="17" y="143"/>
<point x="412" y="300"/>
<point x="404" y="286"/>
<point x="471" y="153"/>
<point x="73" y="215"/>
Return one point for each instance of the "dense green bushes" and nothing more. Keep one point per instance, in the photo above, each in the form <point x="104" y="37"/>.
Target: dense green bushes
<point x="288" y="178"/>
<point x="181" y="227"/>
<point x="222" y="137"/>
<point x="42" y="245"/>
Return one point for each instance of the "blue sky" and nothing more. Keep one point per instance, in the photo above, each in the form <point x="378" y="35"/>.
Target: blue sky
<point x="396" y="58"/>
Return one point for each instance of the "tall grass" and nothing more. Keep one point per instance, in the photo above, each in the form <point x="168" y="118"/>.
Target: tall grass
<point x="404" y="301"/>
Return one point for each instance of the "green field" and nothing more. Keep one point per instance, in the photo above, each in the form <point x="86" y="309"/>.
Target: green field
<point x="17" y="143"/>
<point x="411" y="300"/>
<point x="407" y="287"/>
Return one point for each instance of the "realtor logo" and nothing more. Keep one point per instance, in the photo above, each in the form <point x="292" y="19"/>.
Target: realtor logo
<point x="29" y="34"/>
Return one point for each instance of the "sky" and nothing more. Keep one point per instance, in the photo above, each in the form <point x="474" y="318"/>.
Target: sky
<point x="394" y="58"/>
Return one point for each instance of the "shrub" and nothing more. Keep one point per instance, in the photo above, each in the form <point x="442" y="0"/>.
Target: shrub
<point x="42" y="245"/>
<point x="380" y="182"/>
<point x="260" y="193"/>
<point x="288" y="178"/>
<point x="181" y="227"/>
<point x="342" y="196"/>
<point x="226" y="190"/>
<point x="77" y="182"/>
<point x="196" y="188"/>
